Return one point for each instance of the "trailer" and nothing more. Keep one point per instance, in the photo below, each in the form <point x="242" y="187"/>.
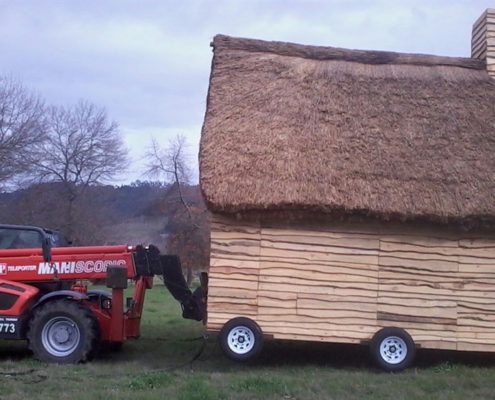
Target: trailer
<point x="381" y="285"/>
<point x="352" y="197"/>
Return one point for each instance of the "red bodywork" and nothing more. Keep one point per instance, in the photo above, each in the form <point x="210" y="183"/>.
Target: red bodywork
<point x="20" y="267"/>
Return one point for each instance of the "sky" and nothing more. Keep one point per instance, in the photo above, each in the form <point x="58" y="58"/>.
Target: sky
<point x="148" y="61"/>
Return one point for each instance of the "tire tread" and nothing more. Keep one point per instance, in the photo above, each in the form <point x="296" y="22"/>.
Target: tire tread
<point x="86" y="321"/>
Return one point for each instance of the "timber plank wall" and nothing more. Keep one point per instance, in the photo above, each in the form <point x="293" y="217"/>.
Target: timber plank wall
<point x="343" y="282"/>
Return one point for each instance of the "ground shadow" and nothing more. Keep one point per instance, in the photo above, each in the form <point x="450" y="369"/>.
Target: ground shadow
<point x="276" y="353"/>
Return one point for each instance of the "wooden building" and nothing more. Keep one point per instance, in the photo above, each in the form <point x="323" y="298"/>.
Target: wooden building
<point x="351" y="191"/>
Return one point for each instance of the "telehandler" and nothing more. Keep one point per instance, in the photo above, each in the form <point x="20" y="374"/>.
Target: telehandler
<point x="44" y="294"/>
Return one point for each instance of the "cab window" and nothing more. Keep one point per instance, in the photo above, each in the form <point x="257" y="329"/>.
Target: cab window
<point x="19" y="239"/>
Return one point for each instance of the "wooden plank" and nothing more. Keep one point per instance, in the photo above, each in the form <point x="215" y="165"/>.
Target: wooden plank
<point x="356" y="270"/>
<point x="428" y="264"/>
<point x="437" y="291"/>
<point x="395" y="312"/>
<point x="477" y="243"/>
<point x="296" y="329"/>
<point x="277" y="295"/>
<point x="447" y="331"/>
<point x="275" y="311"/>
<point x="344" y="248"/>
<point x="330" y="229"/>
<point x="227" y="291"/>
<point x="486" y="337"/>
<point x="319" y="289"/>
<point x="234" y="308"/>
<point x="336" y="305"/>
<point x="313" y="338"/>
<point x="421" y="248"/>
<point x="413" y="296"/>
<point x="313" y="275"/>
<point x="479" y="285"/>
<point x="226" y="299"/>
<point x="394" y="317"/>
<point x="227" y="273"/>
<point x="422" y="305"/>
<point x="308" y="282"/>
<point x="307" y="320"/>
<point x="414" y="237"/>
<point x="477" y="260"/>
<point x="247" y="264"/>
<point x="354" y="299"/>
<point x="227" y="224"/>
<point x="220" y="318"/>
<point x="482" y="305"/>
<point x="219" y="235"/>
<point x="476" y="321"/>
<point x="424" y="275"/>
<point x="242" y="248"/>
<point x="281" y="305"/>
<point x="329" y="313"/>
<point x="312" y="238"/>
<point x="276" y="254"/>
<point x="475" y="346"/>
<point x="232" y="284"/>
<point x="440" y="344"/>
<point x="476" y="269"/>
<point x="431" y="289"/>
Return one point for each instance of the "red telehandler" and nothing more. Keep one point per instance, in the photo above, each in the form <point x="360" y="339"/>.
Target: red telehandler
<point x="44" y="294"/>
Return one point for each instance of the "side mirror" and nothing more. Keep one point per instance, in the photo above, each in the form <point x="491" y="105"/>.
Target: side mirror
<point x="47" y="249"/>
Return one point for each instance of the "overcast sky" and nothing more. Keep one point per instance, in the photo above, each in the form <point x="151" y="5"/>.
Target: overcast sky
<point x="148" y="62"/>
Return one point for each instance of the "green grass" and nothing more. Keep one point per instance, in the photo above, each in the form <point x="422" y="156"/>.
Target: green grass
<point x="158" y="366"/>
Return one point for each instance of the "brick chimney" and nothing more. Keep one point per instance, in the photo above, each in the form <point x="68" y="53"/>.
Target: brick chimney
<point x="483" y="40"/>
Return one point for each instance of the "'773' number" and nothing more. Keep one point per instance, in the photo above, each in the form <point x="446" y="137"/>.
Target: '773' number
<point x="7" y="327"/>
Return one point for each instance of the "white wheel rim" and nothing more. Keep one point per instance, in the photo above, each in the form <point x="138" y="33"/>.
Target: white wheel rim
<point x="60" y="336"/>
<point x="240" y="340"/>
<point x="393" y="350"/>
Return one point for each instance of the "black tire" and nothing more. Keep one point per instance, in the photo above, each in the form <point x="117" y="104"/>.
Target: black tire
<point x="241" y="339"/>
<point x="393" y="349"/>
<point x="64" y="332"/>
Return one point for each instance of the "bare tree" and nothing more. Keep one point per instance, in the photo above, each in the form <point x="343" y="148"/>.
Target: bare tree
<point x="188" y="220"/>
<point x="170" y="163"/>
<point x="22" y="127"/>
<point x="83" y="147"/>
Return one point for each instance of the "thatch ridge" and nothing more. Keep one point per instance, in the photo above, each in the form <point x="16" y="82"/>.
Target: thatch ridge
<point x="392" y="141"/>
<point x="335" y="53"/>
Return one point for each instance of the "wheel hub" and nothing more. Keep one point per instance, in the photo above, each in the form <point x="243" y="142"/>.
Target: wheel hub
<point x="60" y="336"/>
<point x="240" y="340"/>
<point x="393" y="350"/>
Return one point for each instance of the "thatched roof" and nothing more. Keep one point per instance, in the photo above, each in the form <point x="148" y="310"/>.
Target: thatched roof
<point x="292" y="127"/>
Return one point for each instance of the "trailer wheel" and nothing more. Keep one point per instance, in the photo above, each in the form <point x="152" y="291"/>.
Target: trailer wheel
<point x="241" y="339"/>
<point x="64" y="332"/>
<point x="392" y="349"/>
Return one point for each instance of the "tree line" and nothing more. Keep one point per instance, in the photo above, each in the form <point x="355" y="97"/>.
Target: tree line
<point x="61" y="153"/>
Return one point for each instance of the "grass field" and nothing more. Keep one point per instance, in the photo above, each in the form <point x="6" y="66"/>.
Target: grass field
<point x="158" y="366"/>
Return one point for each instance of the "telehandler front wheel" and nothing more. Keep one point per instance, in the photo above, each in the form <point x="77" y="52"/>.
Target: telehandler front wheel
<point x="64" y="332"/>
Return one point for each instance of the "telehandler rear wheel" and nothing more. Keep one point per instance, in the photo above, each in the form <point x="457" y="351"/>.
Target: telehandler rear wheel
<point x="64" y="332"/>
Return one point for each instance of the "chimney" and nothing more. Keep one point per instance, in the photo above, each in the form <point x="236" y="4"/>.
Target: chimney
<point x="483" y="40"/>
